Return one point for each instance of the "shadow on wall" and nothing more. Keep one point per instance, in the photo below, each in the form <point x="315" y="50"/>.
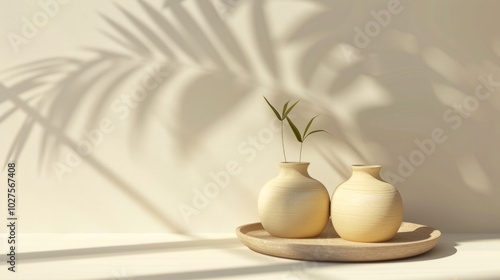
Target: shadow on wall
<point x="52" y="92"/>
<point x="378" y="89"/>
<point x="434" y="68"/>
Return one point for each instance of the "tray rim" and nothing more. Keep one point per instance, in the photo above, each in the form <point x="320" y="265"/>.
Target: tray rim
<point x="428" y="244"/>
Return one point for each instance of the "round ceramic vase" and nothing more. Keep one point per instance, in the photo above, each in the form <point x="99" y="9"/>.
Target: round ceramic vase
<point x="294" y="205"/>
<point x="365" y="208"/>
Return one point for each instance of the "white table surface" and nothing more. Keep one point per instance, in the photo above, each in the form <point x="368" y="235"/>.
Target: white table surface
<point x="221" y="256"/>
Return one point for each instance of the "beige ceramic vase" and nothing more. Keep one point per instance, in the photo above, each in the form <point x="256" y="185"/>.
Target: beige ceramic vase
<point x="294" y="205"/>
<point x="365" y="208"/>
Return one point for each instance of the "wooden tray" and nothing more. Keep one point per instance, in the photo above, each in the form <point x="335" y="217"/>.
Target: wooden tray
<point x="411" y="240"/>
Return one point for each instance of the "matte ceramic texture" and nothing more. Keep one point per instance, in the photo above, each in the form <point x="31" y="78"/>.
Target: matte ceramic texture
<point x="411" y="240"/>
<point x="365" y="208"/>
<point x="294" y="205"/>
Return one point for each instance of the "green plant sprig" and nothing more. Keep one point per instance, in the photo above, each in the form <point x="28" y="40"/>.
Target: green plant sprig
<point x="281" y="117"/>
<point x="302" y="137"/>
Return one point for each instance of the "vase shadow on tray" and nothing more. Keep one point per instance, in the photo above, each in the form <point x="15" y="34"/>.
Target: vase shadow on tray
<point x="443" y="249"/>
<point x="419" y="234"/>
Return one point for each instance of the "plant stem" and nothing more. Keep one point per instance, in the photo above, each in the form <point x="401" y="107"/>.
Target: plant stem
<point x="300" y="154"/>
<point x="283" y="141"/>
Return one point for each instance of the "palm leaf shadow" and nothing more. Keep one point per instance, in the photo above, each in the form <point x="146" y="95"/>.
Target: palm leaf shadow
<point x="20" y="139"/>
<point x="224" y="35"/>
<point x="117" y="180"/>
<point x="151" y="35"/>
<point x="67" y="98"/>
<point x="63" y="97"/>
<point x="131" y="42"/>
<point x="265" y="45"/>
<point x="170" y="31"/>
<point x="196" y="33"/>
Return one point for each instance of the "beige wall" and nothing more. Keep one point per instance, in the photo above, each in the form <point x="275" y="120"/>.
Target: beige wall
<point x="171" y="95"/>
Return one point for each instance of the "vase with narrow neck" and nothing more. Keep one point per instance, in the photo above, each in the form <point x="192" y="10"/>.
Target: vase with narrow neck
<point x="365" y="208"/>
<point x="294" y="205"/>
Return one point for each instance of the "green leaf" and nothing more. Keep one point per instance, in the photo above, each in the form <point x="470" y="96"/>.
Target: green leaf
<point x="290" y="109"/>
<point x="315" y="131"/>
<point x="274" y="110"/>
<point x="295" y="130"/>
<point x="308" y="125"/>
<point x="284" y="109"/>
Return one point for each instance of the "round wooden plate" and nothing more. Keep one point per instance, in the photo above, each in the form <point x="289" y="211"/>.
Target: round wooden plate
<point x="411" y="240"/>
